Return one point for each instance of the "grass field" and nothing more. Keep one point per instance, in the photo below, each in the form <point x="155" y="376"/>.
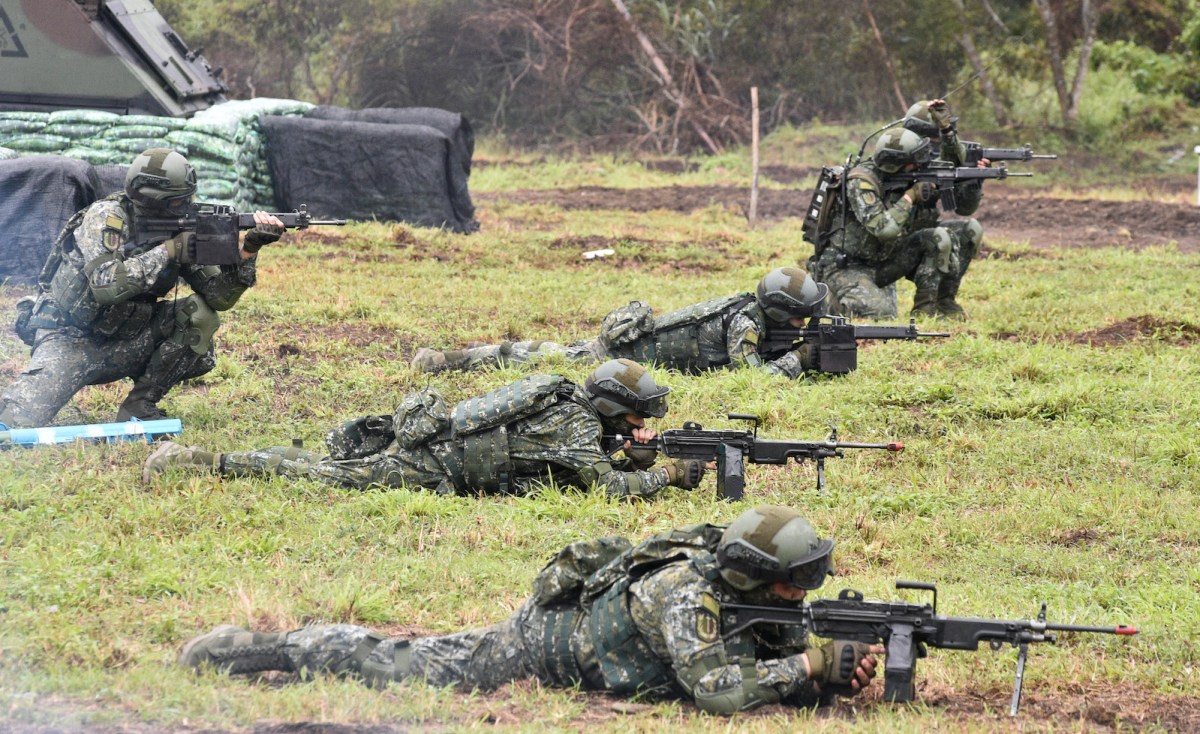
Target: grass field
<point x="1051" y="456"/>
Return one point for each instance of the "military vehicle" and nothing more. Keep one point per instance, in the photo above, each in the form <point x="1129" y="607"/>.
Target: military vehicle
<point x="115" y="55"/>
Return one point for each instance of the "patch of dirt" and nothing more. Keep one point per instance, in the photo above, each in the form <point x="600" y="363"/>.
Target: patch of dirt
<point x="729" y="252"/>
<point x="1041" y="221"/>
<point x="1139" y="327"/>
<point x="1091" y="709"/>
<point x="1076" y="536"/>
<point x="987" y="252"/>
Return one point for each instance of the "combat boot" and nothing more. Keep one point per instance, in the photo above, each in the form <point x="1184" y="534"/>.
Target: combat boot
<point x="924" y="303"/>
<point x="428" y="360"/>
<point x="947" y="306"/>
<point x="170" y="454"/>
<point x="233" y="650"/>
<point x="142" y="402"/>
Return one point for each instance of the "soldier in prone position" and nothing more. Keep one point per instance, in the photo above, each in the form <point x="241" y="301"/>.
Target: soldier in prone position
<point x="100" y="313"/>
<point x="722" y="333"/>
<point x="607" y="616"/>
<point x="502" y="442"/>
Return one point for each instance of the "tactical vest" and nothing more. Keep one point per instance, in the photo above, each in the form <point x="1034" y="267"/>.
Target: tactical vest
<point x="674" y="342"/>
<point x="627" y="663"/>
<point x="480" y="425"/>
<point x="66" y="298"/>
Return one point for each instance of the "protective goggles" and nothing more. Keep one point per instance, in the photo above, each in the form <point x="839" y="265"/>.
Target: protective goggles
<point x="654" y="404"/>
<point x="781" y="306"/>
<point x="808" y="572"/>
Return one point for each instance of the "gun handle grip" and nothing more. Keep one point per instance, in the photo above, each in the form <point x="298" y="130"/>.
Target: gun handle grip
<point x="731" y="473"/>
<point x="899" y="684"/>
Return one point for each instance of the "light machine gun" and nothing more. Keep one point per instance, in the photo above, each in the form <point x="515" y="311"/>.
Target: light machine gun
<point x="216" y="228"/>
<point x="732" y="449"/>
<point x="906" y="630"/>
<point x="830" y="343"/>
<point x="945" y="176"/>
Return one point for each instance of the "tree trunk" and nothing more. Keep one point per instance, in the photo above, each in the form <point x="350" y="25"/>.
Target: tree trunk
<point x="1087" y="15"/>
<point x="967" y="41"/>
<point x="887" y="59"/>
<point x="1054" y="49"/>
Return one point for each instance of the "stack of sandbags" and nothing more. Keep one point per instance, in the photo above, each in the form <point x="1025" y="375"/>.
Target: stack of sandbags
<point x="224" y="143"/>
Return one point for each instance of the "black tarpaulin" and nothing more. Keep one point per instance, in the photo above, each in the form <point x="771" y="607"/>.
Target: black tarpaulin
<point x="375" y="167"/>
<point x="38" y="194"/>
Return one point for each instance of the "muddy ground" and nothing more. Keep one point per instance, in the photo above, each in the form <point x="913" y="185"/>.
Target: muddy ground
<point x="1109" y="708"/>
<point x="1022" y="216"/>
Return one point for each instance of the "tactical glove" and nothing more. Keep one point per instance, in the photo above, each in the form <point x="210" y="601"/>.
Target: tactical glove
<point x="939" y="114"/>
<point x="836" y="661"/>
<point x="640" y="458"/>
<point x="263" y="234"/>
<point x="179" y="247"/>
<point x="684" y="473"/>
<point x="921" y="192"/>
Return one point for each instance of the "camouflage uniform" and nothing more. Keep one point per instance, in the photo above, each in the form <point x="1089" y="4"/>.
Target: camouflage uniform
<point x="484" y="445"/>
<point x="99" y="318"/>
<point x="885" y="239"/>
<point x="722" y="333"/>
<point x="603" y="616"/>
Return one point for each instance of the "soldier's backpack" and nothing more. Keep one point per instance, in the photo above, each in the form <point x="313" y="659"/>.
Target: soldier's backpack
<point x="816" y="225"/>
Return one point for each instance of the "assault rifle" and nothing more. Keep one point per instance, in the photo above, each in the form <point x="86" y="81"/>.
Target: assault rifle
<point x="977" y="152"/>
<point x="127" y="431"/>
<point x="907" y="630"/>
<point x="830" y="343"/>
<point x="216" y="228"/>
<point x="945" y="175"/>
<point x="732" y="449"/>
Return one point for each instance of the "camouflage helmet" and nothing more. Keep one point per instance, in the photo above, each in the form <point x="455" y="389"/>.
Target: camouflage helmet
<point x="771" y="543"/>
<point x="918" y="120"/>
<point x="622" y="386"/>
<point x="787" y="293"/>
<point x="162" y="179"/>
<point x="898" y="148"/>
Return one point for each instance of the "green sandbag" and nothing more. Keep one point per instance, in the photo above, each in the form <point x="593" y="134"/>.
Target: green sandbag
<point x="171" y="123"/>
<point x="73" y="130"/>
<point x="41" y="117"/>
<point x="82" y="117"/>
<point x="38" y="143"/>
<point x="120" y="132"/>
<point x="20" y="127"/>
<point x="209" y="189"/>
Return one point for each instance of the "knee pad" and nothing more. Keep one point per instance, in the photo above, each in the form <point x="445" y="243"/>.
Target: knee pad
<point x="940" y="250"/>
<point x="195" y="324"/>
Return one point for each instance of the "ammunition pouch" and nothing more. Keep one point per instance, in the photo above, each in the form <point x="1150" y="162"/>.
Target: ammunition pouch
<point x="420" y="417"/>
<point x="625" y="325"/>
<point x="561" y="580"/>
<point x="487" y="466"/>
<point x="361" y="437"/>
<point x="557" y="666"/>
<point x="24" y="312"/>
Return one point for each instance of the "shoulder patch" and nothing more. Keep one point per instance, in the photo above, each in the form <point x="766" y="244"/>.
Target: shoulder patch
<point x="869" y="196"/>
<point x="708" y="619"/>
<point x="751" y="337"/>
<point x="112" y="221"/>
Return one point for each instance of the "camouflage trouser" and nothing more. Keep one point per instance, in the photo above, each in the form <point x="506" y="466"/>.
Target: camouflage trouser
<point x="509" y="353"/>
<point x="415" y="468"/>
<point x="480" y="659"/>
<point x="926" y="257"/>
<point x="67" y="359"/>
